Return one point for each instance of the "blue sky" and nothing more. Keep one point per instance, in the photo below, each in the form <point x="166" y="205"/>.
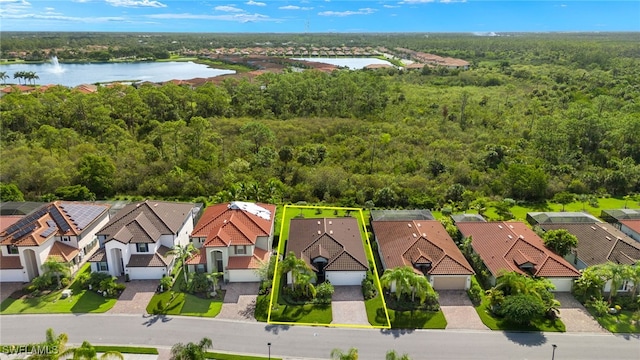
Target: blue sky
<point x="318" y="16"/>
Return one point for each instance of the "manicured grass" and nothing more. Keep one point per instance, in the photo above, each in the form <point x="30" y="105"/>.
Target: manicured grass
<point x="126" y="349"/>
<point x="220" y="356"/>
<point x="618" y="323"/>
<point x="494" y="323"/>
<point x="403" y="319"/>
<point x="176" y="302"/>
<point x="81" y="301"/>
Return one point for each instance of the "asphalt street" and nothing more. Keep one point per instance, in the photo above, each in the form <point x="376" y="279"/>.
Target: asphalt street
<point x="296" y="342"/>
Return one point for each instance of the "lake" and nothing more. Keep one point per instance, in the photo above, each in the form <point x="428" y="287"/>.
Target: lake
<point x="75" y="74"/>
<point x="351" y="63"/>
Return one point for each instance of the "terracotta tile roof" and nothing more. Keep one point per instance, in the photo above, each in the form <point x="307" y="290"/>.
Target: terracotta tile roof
<point x="10" y="262"/>
<point x="599" y="243"/>
<point x="146" y="221"/>
<point x="98" y="256"/>
<point x="199" y="258"/>
<point x="633" y="224"/>
<point x="406" y="243"/>
<point x="226" y="225"/>
<point x="63" y="252"/>
<point x="338" y="238"/>
<point x="8" y="220"/>
<point x="157" y="259"/>
<point x="248" y="262"/>
<point x="501" y="245"/>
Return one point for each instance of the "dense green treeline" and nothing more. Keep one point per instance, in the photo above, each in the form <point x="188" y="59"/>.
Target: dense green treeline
<point x="425" y="138"/>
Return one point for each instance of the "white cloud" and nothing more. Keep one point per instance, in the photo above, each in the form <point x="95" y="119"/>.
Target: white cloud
<point x="64" y="18"/>
<point x="363" y="11"/>
<point x="14" y="6"/>
<point x="416" y="1"/>
<point x="294" y="7"/>
<point x="390" y="6"/>
<point x="255" y="3"/>
<point x="243" y="18"/>
<point x="136" y="3"/>
<point x="227" y="8"/>
<point x="452" y="1"/>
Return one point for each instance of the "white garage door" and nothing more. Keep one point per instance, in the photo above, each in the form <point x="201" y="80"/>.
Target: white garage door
<point x="243" y="276"/>
<point x="341" y="278"/>
<point x="12" y="275"/>
<point x="449" y="282"/>
<point x="146" y="273"/>
<point x="561" y="284"/>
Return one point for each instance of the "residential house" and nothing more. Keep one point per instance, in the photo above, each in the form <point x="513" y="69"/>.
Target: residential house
<point x="512" y="246"/>
<point x="62" y="230"/>
<point x="401" y="215"/>
<point x="599" y="243"/>
<point x="233" y="239"/>
<point x="631" y="228"/>
<point x="137" y="240"/>
<point x="426" y="247"/>
<point x="332" y="247"/>
<point x="467" y="217"/>
<point x="551" y="217"/>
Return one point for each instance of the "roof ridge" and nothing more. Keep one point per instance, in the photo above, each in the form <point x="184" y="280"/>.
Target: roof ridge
<point x="344" y="251"/>
<point x="146" y="202"/>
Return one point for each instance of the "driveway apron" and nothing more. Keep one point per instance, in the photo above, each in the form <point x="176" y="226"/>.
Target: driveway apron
<point x="347" y="306"/>
<point x="459" y="311"/>
<point x="575" y="317"/>
<point x="239" y="301"/>
<point x="8" y="288"/>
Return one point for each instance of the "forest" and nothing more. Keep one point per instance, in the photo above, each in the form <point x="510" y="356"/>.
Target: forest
<point x="537" y="115"/>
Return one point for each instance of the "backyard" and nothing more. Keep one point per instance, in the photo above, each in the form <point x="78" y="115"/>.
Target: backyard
<point x="81" y="300"/>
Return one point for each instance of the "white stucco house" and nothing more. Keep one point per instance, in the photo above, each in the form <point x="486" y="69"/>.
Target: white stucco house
<point x="233" y="239"/>
<point x="63" y="230"/>
<point x="136" y="241"/>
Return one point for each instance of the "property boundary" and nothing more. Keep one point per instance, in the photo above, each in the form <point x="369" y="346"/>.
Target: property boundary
<point x="375" y="271"/>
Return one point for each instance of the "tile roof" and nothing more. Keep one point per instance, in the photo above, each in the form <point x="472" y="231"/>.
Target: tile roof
<point x="10" y="262"/>
<point x="8" y="220"/>
<point x="502" y="244"/>
<point x="632" y="224"/>
<point x="406" y="243"/>
<point x="63" y="252"/>
<point x="198" y="258"/>
<point x="53" y="219"/>
<point x="600" y="243"/>
<point x="338" y="238"/>
<point x="146" y="221"/>
<point x="248" y="262"/>
<point x="226" y="225"/>
<point x="157" y="259"/>
<point x="98" y="256"/>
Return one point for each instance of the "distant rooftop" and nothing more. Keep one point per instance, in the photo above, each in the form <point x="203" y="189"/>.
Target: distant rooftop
<point x="535" y="218"/>
<point x="401" y="215"/>
<point x="18" y="207"/>
<point x="615" y="215"/>
<point x="467" y="217"/>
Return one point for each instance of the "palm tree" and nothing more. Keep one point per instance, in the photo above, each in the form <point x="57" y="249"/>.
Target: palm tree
<point x="393" y="355"/>
<point x="337" y="354"/>
<point x="512" y="283"/>
<point x="214" y="278"/>
<point x="617" y="274"/>
<point x="86" y="351"/>
<point x="420" y="286"/>
<point x="19" y="75"/>
<point x="4" y="76"/>
<point x="400" y="278"/>
<point x="183" y="253"/>
<point x="52" y="341"/>
<point x="296" y="266"/>
<point x="56" y="268"/>
<point x="634" y="276"/>
<point x="191" y="351"/>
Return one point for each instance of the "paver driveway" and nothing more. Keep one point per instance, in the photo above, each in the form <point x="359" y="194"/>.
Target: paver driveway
<point x="135" y="297"/>
<point x="239" y="301"/>
<point x="8" y="288"/>
<point x="459" y="311"/>
<point x="575" y="317"/>
<point x="347" y="306"/>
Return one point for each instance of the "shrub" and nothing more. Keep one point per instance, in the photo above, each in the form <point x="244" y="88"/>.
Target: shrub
<point x="600" y="307"/>
<point x="166" y="282"/>
<point x="198" y="283"/>
<point x="65" y="281"/>
<point x="96" y="278"/>
<point x="522" y="308"/>
<point x="324" y="292"/>
<point x="83" y="278"/>
<point x="368" y="288"/>
<point x="265" y="286"/>
<point x="43" y="282"/>
<point x="475" y="294"/>
<point x="628" y="302"/>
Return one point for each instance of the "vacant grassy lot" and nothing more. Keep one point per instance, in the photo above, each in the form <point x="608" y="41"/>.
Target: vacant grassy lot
<point x="81" y="301"/>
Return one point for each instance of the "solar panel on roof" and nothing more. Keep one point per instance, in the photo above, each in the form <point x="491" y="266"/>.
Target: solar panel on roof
<point x="59" y="219"/>
<point x="48" y="232"/>
<point x="24" y="231"/>
<point x="27" y="220"/>
<point x="82" y="214"/>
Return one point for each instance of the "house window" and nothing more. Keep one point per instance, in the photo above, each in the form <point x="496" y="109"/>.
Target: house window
<point x="12" y="249"/>
<point x="241" y="249"/>
<point x="142" y="248"/>
<point x="102" y="266"/>
<point x="624" y="286"/>
<point x="65" y="238"/>
<point x="200" y="268"/>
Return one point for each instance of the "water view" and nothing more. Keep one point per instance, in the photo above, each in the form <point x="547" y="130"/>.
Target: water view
<point x="351" y="63"/>
<point x="75" y="74"/>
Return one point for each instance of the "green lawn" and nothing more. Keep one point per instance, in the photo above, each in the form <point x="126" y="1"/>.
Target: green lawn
<point x="494" y="323"/>
<point x="176" y="302"/>
<point x="224" y="356"/>
<point x="618" y="323"/>
<point x="81" y="301"/>
<point x="403" y="319"/>
<point x="126" y="349"/>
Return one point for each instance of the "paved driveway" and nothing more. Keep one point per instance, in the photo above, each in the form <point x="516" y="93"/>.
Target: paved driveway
<point x="135" y="297"/>
<point x="239" y="301"/>
<point x="347" y="306"/>
<point x="575" y="317"/>
<point x="459" y="311"/>
<point x="8" y="288"/>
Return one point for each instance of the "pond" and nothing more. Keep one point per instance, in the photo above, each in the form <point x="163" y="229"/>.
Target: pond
<point x="351" y="63"/>
<point x="75" y="74"/>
